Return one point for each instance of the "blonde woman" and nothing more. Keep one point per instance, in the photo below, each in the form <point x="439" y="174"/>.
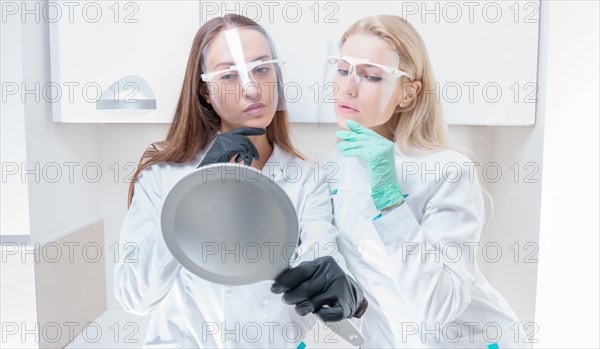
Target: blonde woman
<point x="409" y="208"/>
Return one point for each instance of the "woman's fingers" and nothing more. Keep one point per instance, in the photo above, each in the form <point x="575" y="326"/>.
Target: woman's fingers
<point x="249" y="131"/>
<point x="346" y="135"/>
<point x="354" y="126"/>
<point x="362" y="130"/>
<point x="358" y="128"/>
<point x="351" y="136"/>
<point x="355" y="153"/>
<point x="332" y="313"/>
<point x="352" y="149"/>
<point x="253" y="151"/>
<point x="343" y="146"/>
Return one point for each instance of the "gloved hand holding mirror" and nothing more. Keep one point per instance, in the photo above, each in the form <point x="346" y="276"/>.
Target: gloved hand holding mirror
<point x="205" y="217"/>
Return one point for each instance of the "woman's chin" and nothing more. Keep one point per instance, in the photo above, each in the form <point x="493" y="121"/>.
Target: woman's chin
<point x="341" y="120"/>
<point x="259" y="121"/>
<point x="342" y="123"/>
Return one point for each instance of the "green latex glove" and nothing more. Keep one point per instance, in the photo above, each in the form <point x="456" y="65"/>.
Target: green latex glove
<point x="378" y="153"/>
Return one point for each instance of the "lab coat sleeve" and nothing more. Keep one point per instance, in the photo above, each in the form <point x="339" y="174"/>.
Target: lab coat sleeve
<point x="318" y="237"/>
<point x="145" y="269"/>
<point x="318" y="234"/>
<point x="424" y="254"/>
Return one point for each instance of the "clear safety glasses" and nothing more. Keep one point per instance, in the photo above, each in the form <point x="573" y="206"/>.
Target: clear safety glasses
<point x="242" y="63"/>
<point x="260" y="71"/>
<point x="360" y="68"/>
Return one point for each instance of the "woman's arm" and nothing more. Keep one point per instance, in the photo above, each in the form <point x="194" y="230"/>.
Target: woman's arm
<point x="320" y="275"/>
<point x="146" y="269"/>
<point x="318" y="234"/>
<point x="434" y="261"/>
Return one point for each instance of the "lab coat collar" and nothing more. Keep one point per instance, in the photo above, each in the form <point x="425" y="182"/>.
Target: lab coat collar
<point x="398" y="151"/>
<point x="277" y="165"/>
<point x="413" y="152"/>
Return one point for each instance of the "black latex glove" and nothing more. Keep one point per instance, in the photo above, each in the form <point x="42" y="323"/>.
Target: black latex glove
<point x="315" y="284"/>
<point x="228" y="144"/>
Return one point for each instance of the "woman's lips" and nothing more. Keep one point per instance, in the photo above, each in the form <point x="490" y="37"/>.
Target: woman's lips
<point x="255" y="109"/>
<point x="346" y="108"/>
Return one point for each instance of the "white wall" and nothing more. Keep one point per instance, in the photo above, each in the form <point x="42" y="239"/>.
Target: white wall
<point x="56" y="205"/>
<point x="57" y="208"/>
<point x="14" y="203"/>
<point x="515" y="221"/>
<point x="567" y="301"/>
<point x="39" y="202"/>
<point x="123" y="145"/>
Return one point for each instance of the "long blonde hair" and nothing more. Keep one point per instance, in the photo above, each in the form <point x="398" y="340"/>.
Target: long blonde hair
<point x="195" y="121"/>
<point x="421" y="124"/>
<point x="420" y="128"/>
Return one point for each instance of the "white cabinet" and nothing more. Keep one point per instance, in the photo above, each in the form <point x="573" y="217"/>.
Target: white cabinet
<point x="117" y="61"/>
<point x="127" y="64"/>
<point x="484" y="53"/>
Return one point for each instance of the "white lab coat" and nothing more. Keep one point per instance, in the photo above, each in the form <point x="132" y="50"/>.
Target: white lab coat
<point x="189" y="312"/>
<point x="415" y="303"/>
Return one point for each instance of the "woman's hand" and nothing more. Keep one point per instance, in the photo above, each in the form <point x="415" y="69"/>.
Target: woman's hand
<point x="378" y="153"/>
<point x="236" y="142"/>
<point x="321" y="287"/>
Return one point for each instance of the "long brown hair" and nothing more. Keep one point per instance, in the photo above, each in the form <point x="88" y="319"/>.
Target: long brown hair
<point x="195" y="121"/>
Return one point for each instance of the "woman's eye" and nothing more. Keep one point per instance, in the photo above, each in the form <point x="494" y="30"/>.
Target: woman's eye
<point x="227" y="76"/>
<point x="262" y="70"/>
<point x="343" y="72"/>
<point x="373" y="78"/>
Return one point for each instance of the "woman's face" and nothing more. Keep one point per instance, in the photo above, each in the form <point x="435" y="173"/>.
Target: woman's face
<point x="237" y="102"/>
<point x="372" y="101"/>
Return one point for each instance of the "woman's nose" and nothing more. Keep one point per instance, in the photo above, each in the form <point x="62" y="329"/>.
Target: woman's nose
<point x="350" y="84"/>
<point x="251" y="91"/>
